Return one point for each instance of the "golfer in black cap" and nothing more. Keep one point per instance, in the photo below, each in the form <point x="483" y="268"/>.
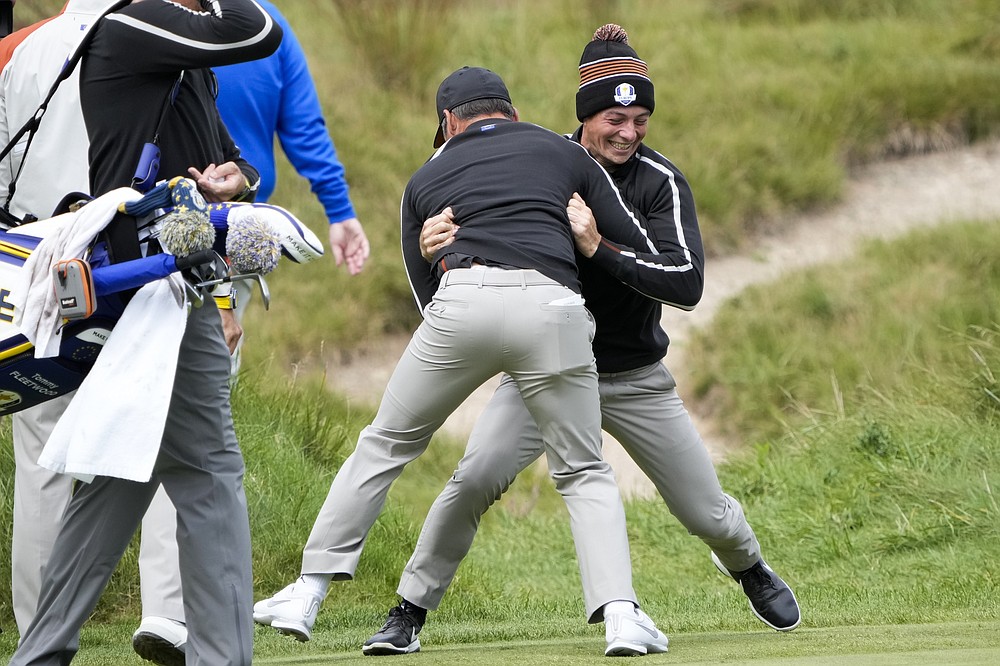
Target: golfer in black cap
<point x="503" y="297"/>
<point x="640" y="405"/>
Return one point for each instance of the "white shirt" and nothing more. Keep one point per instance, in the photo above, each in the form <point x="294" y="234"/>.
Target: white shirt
<point x="57" y="162"/>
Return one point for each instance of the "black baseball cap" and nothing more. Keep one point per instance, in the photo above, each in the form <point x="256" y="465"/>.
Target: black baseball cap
<point x="467" y="85"/>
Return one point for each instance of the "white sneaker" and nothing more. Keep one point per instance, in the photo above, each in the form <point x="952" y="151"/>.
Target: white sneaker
<point x="161" y="641"/>
<point x="632" y="634"/>
<point x="291" y="611"/>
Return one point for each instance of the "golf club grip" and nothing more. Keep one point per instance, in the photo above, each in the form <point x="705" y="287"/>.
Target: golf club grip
<point x="195" y="259"/>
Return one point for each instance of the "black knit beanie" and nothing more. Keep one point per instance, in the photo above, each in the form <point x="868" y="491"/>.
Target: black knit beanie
<point x="611" y="74"/>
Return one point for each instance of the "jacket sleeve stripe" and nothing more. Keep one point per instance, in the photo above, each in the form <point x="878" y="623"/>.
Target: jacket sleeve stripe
<point x="157" y="31"/>
<point x="675" y="193"/>
<point x="621" y="202"/>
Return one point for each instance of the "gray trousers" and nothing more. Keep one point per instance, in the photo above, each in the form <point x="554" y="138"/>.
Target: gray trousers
<point x="482" y="322"/>
<point x="642" y="411"/>
<point x="201" y="468"/>
<point x="40" y="499"/>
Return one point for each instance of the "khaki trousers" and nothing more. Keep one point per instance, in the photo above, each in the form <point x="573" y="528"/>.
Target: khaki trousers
<point x="482" y="322"/>
<point x="642" y="410"/>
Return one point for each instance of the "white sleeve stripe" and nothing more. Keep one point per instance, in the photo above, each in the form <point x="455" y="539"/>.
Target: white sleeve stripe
<point x="204" y="46"/>
<point x="678" y="229"/>
<point x="413" y="289"/>
<point x="667" y="268"/>
<point x="621" y="202"/>
<point x="675" y="193"/>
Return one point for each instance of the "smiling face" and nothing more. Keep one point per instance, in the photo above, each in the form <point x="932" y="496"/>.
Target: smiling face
<point x="613" y="135"/>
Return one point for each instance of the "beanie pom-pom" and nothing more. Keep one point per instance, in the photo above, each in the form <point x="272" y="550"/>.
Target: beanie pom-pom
<point x="611" y="32"/>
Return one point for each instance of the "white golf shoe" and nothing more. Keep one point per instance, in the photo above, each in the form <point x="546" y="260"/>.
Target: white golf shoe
<point x="632" y="634"/>
<point x="291" y="611"/>
<point x="161" y="641"/>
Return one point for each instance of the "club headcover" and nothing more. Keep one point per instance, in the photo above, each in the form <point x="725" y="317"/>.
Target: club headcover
<point x="298" y="242"/>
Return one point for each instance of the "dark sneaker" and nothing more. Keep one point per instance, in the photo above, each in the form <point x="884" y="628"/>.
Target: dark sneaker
<point x="771" y="600"/>
<point x="399" y="633"/>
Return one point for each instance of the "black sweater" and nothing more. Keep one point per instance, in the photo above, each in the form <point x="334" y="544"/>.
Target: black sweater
<point x="133" y="63"/>
<point x="625" y="297"/>
<point x="508" y="184"/>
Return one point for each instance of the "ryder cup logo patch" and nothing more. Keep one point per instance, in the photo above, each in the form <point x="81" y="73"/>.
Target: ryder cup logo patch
<point x="625" y="94"/>
<point x="9" y="399"/>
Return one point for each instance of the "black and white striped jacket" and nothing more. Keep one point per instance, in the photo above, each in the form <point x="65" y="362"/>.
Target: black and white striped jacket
<point x="132" y="65"/>
<point x="624" y="287"/>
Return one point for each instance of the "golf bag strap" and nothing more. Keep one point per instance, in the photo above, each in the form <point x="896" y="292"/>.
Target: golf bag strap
<point x="121" y="238"/>
<point x="6" y="17"/>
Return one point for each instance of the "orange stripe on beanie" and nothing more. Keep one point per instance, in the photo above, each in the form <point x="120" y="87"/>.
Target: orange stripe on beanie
<point x="612" y="74"/>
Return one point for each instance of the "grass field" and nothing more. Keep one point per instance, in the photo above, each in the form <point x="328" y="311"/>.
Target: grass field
<point x="880" y="512"/>
<point x="940" y="644"/>
<point x="945" y="644"/>
<point x="866" y="392"/>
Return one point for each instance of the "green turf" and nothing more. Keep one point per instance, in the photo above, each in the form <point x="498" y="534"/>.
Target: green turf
<point x="944" y="644"/>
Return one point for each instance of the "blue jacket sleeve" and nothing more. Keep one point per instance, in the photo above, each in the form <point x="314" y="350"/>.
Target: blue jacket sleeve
<point x="304" y="137"/>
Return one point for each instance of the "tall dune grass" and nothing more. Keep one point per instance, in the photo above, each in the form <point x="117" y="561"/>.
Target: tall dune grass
<point x="766" y="107"/>
<point x="783" y="356"/>
<point x="400" y="41"/>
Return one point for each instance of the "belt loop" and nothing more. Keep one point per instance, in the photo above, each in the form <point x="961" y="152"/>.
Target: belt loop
<point x="444" y="280"/>
<point x="524" y="284"/>
<point x="482" y="276"/>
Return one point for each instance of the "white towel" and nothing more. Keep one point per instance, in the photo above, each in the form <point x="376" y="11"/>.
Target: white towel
<point x="114" y="424"/>
<point x="36" y="310"/>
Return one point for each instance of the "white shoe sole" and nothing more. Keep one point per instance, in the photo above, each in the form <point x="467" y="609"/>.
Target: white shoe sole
<point x="628" y="649"/>
<point x="776" y="628"/>
<point x="624" y="650"/>
<point x="157" y="650"/>
<point x="632" y="635"/>
<point x="296" y="630"/>
<point x="379" y="649"/>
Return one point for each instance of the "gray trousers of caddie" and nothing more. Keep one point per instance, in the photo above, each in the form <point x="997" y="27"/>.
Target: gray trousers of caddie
<point x="641" y="409"/>
<point x="481" y="322"/>
<point x="40" y="499"/>
<point x="201" y="469"/>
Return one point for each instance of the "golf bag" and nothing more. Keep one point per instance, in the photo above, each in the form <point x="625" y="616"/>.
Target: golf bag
<point x="178" y="232"/>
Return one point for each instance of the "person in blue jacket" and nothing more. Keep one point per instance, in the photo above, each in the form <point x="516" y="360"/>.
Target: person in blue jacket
<point x="276" y="96"/>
